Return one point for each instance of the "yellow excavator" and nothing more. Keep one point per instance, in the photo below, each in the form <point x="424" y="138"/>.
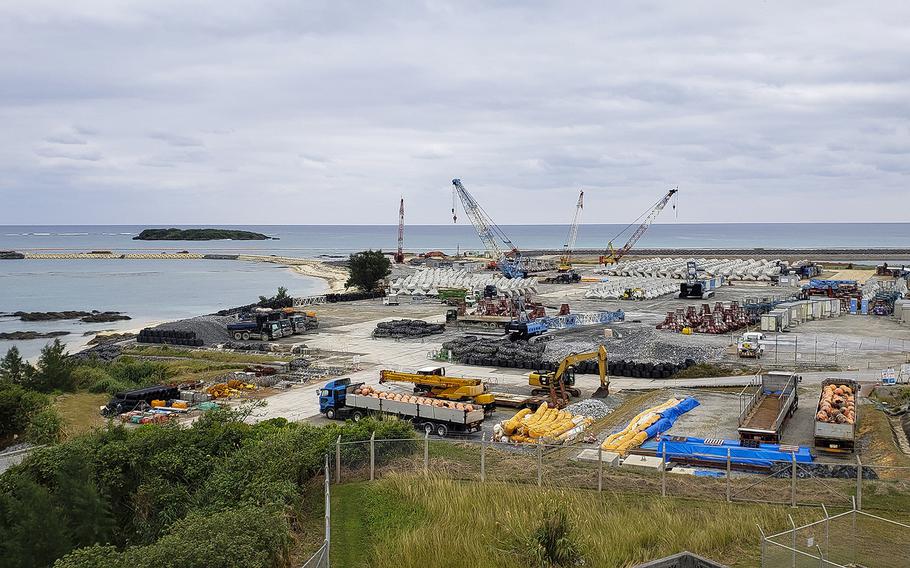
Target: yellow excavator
<point x="560" y="384"/>
<point x="433" y="382"/>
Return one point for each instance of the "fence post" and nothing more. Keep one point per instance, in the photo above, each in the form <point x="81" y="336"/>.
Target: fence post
<point x="859" y="484"/>
<point x="338" y="459"/>
<point x="426" y="454"/>
<point x="483" y="458"/>
<point x="793" y="480"/>
<point x="792" y="542"/>
<point x="600" y="469"/>
<point x="328" y="512"/>
<point x="373" y="456"/>
<point x="663" y="471"/>
<point x="762" y="533"/>
<point x="853" y="532"/>
<point x="729" y="480"/>
<point x="827" y="518"/>
<point x="539" y="465"/>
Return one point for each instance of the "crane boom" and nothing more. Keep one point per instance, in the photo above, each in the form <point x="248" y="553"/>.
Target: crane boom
<point x="489" y="232"/>
<point x="441" y="386"/>
<point x="399" y="256"/>
<point x="565" y="263"/>
<point x="615" y="255"/>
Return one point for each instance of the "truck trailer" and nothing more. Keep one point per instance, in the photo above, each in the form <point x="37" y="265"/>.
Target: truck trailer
<point x="764" y="412"/>
<point x="832" y="434"/>
<point x="337" y="401"/>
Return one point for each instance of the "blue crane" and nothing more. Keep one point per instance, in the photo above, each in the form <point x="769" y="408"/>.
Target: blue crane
<point x="507" y="256"/>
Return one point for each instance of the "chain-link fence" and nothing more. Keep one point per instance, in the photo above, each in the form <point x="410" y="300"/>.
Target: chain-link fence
<point x="825" y="350"/>
<point x="850" y="538"/>
<point x="832" y="483"/>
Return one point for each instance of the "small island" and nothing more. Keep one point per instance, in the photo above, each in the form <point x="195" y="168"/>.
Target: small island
<point x="173" y="234"/>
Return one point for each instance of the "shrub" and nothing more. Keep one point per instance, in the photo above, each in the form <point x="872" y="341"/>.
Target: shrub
<point x="45" y="427"/>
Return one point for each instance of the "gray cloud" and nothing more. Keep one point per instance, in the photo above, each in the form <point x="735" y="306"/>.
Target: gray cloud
<point x="337" y="108"/>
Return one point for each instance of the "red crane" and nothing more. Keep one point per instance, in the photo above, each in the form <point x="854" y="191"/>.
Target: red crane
<point x="399" y="256"/>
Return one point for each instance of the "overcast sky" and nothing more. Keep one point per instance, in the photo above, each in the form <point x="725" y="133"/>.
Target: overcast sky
<point x="298" y="112"/>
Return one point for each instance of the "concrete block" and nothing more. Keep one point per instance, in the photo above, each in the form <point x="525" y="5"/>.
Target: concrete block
<point x="650" y="463"/>
<point x="608" y="458"/>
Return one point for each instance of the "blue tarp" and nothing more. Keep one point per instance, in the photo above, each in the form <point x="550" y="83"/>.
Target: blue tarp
<point x="695" y="448"/>
<point x="669" y="416"/>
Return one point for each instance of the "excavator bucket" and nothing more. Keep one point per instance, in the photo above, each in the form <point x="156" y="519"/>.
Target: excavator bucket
<point x="602" y="391"/>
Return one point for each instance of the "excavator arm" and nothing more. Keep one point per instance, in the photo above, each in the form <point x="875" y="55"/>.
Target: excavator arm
<point x="558" y="383"/>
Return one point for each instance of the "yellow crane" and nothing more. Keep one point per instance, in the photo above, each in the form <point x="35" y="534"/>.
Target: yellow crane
<point x="561" y="382"/>
<point x="433" y="382"/>
<point x="652" y="214"/>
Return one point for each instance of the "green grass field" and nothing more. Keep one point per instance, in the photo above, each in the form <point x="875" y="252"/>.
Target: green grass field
<point x="410" y="521"/>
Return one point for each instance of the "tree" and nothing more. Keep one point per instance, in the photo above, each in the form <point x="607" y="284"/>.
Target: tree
<point x="368" y="268"/>
<point x="280" y="300"/>
<point x="17" y="407"/>
<point x="12" y="368"/>
<point x="53" y="371"/>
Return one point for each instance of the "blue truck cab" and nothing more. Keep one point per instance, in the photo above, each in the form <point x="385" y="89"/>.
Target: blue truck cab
<point x="332" y="397"/>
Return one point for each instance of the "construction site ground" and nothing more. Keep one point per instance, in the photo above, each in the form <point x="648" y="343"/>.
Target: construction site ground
<point x="850" y="346"/>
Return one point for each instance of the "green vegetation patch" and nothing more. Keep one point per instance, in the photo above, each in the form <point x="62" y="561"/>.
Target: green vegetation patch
<point x="424" y="522"/>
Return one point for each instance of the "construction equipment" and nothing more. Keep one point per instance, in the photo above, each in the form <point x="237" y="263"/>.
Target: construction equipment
<point x="560" y="384"/>
<point x="507" y="257"/>
<point x="399" y="256"/>
<point x="652" y="214"/>
<point x="340" y="398"/>
<point x="567" y="273"/>
<point x="433" y="382"/>
<point x="750" y="346"/>
<point x="696" y="286"/>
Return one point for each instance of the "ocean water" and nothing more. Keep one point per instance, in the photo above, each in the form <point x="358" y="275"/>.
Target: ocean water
<point x="154" y="291"/>
<point x="316" y="240"/>
<point x="149" y="291"/>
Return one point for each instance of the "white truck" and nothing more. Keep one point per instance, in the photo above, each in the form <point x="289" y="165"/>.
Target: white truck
<point x="750" y="345"/>
<point x="834" y="435"/>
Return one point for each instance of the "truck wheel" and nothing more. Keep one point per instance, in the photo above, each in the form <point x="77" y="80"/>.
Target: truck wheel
<point x="330" y="414"/>
<point x="245" y="336"/>
<point x="428" y="428"/>
<point x="238" y="336"/>
<point x="357" y="416"/>
<point x="442" y="430"/>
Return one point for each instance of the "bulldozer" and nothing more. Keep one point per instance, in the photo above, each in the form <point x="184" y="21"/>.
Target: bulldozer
<point x="560" y="384"/>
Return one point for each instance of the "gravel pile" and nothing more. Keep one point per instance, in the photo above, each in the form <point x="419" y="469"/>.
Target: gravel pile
<point x="102" y="352"/>
<point x="210" y="329"/>
<point x="299" y="363"/>
<point x="546" y="355"/>
<point x="407" y="328"/>
<point x="641" y="344"/>
<point x="594" y="408"/>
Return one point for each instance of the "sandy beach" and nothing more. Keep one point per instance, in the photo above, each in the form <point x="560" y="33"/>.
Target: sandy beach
<point x="334" y="276"/>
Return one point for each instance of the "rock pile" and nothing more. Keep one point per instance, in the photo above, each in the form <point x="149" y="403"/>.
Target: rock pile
<point x="102" y="352"/>
<point x="169" y="337"/>
<point x="591" y="407"/>
<point x="405" y="328"/>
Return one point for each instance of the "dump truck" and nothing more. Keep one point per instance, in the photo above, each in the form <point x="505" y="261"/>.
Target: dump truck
<point x="750" y="346"/>
<point x="338" y="401"/>
<point x="269" y="325"/>
<point x="833" y="435"/>
<point x="763" y="413"/>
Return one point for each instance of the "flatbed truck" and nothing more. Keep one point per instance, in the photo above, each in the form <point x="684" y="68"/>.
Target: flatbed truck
<point x="763" y="413"/>
<point x="837" y="438"/>
<point x="337" y="401"/>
